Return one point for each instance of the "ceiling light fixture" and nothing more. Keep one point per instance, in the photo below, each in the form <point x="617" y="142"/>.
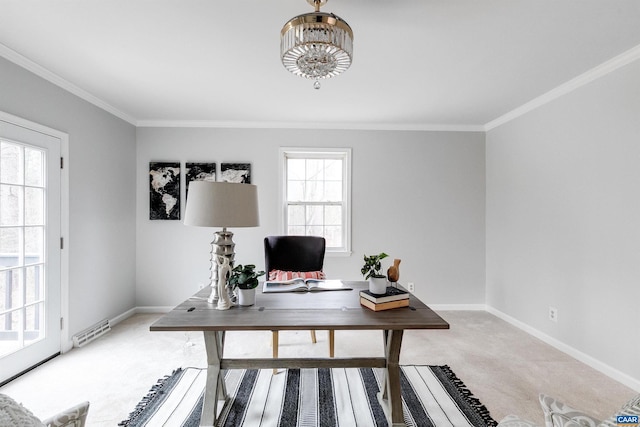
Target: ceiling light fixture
<point x="316" y="45"/>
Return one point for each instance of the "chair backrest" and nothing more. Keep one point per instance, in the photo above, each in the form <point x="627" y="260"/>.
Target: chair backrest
<point x="294" y="253"/>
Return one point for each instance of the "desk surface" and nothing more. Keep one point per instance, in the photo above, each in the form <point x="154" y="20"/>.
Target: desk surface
<point x="298" y="311"/>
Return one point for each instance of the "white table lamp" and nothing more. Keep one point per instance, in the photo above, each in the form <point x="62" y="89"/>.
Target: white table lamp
<point x="221" y="204"/>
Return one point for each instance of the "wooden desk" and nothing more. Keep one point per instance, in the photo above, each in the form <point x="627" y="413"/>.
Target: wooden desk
<point x="338" y="310"/>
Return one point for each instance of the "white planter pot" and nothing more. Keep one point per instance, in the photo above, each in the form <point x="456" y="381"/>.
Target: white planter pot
<point x="378" y="285"/>
<point x="246" y="297"/>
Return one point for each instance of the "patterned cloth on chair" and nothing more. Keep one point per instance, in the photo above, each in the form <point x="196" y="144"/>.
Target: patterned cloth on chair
<point x="557" y="414"/>
<point x="13" y="414"/>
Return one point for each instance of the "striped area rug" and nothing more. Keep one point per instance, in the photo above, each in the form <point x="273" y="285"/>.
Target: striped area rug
<point x="431" y="396"/>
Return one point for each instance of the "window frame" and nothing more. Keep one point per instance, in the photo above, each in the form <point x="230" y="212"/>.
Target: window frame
<point x="319" y="153"/>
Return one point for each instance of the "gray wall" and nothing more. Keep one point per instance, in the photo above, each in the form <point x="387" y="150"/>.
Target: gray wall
<point x="419" y="196"/>
<point x="563" y="212"/>
<point x="561" y="227"/>
<point x="102" y="198"/>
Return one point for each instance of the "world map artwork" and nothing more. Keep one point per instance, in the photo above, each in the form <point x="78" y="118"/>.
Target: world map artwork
<point x="199" y="172"/>
<point x="164" y="190"/>
<point x="236" y="172"/>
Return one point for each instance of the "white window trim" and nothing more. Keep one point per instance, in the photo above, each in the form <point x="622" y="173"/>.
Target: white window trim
<point x="286" y="152"/>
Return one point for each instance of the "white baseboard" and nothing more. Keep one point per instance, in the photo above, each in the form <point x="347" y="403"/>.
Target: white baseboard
<point x="590" y="361"/>
<point x="123" y="316"/>
<point x="66" y="345"/>
<point x="140" y="310"/>
<point x="153" y="309"/>
<point x="457" y="307"/>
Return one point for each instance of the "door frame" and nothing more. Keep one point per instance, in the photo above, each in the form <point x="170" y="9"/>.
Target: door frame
<point x="66" y="342"/>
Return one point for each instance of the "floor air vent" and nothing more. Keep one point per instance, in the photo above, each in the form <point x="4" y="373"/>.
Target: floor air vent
<point x="90" y="334"/>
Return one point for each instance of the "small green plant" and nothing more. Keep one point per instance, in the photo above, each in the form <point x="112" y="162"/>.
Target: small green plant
<point x="372" y="266"/>
<point x="244" y="277"/>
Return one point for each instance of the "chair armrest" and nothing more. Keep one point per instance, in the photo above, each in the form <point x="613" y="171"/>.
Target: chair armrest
<point x="72" y="417"/>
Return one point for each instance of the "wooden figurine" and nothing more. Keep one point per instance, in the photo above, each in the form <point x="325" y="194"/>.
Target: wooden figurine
<point x="393" y="272"/>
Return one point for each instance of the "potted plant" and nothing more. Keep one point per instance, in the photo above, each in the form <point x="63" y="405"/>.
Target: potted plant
<point x="245" y="278"/>
<point x="371" y="271"/>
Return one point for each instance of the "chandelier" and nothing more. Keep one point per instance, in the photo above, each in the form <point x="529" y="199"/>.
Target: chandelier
<point x="316" y="45"/>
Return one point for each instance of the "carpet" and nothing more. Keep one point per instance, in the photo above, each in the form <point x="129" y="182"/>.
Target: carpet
<point x="431" y="396"/>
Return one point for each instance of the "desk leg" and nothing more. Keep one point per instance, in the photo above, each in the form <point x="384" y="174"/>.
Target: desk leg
<point x="215" y="389"/>
<point x="393" y="342"/>
<point x="274" y="347"/>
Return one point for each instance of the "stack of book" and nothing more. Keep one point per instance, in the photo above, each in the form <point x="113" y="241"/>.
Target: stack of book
<point x="393" y="298"/>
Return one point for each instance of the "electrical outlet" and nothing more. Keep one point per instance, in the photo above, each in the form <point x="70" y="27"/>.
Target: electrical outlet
<point x="553" y="314"/>
<point x="411" y="287"/>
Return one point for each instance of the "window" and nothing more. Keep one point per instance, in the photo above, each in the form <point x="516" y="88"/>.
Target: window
<point x="316" y="195"/>
<point x="22" y="232"/>
<point x="30" y="238"/>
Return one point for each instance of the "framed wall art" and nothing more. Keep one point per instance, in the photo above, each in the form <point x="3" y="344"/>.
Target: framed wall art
<point x="199" y="172"/>
<point x="164" y="190"/>
<point x="235" y="172"/>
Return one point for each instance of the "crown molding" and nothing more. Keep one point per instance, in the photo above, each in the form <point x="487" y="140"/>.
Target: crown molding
<point x="601" y="70"/>
<point x="24" y="62"/>
<point x="307" y="125"/>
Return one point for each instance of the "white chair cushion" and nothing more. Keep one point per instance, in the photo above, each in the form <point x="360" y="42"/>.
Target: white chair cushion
<point x="14" y="414"/>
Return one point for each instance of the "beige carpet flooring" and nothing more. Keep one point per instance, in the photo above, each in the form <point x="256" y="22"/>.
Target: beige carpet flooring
<point x="503" y="366"/>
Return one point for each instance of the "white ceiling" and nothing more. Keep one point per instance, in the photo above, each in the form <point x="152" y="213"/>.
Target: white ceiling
<point x="417" y="63"/>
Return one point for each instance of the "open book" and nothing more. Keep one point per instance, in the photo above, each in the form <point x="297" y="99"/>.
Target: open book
<point x="304" y="285"/>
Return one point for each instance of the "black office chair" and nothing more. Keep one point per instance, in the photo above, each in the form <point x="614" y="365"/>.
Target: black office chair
<point x="299" y="254"/>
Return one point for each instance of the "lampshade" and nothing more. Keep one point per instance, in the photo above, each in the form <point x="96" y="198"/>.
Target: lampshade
<point x="222" y="204"/>
<point x="316" y="45"/>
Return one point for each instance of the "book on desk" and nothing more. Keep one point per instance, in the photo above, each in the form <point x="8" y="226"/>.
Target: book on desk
<point x="392" y="298"/>
<point x="304" y="285"/>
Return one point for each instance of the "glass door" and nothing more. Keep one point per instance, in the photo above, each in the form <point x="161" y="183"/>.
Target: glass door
<point x="29" y="248"/>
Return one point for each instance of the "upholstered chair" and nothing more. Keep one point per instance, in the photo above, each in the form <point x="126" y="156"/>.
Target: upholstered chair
<point x="13" y="413"/>
<point x="287" y="255"/>
<point x="558" y="414"/>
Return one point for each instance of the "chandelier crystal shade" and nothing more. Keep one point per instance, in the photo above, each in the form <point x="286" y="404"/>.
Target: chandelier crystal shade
<point x="316" y="45"/>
